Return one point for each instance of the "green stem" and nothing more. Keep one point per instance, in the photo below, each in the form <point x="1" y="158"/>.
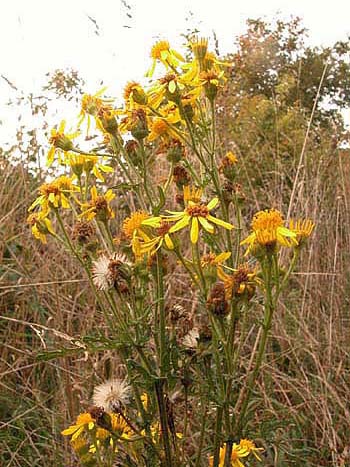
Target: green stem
<point x="159" y="383"/>
<point x="163" y="360"/>
<point x="228" y="453"/>
<point x="201" y="436"/>
<point x="269" y="308"/>
<point x="217" y="436"/>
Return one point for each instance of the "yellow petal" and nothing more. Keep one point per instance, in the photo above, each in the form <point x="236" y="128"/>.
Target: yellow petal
<point x="250" y="239"/>
<point x="62" y="126"/>
<point x="213" y="203"/>
<point x="77" y="433"/>
<point x="172" y="87"/>
<point x="220" y="222"/>
<point x="109" y="195"/>
<point x="68" y="431"/>
<point x="50" y="156"/>
<point x="152" y="222"/>
<point x="222" y="257"/>
<point x="208" y="227"/>
<point x="180" y="224"/>
<point x="93" y="192"/>
<point x="194" y="230"/>
<point x="106" y="168"/>
<point x="168" y="241"/>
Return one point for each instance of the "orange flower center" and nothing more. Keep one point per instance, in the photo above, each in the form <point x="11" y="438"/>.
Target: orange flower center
<point x="100" y="203"/>
<point x="167" y="78"/>
<point x="198" y="210"/>
<point x="267" y="220"/>
<point x="134" y="222"/>
<point x="47" y="188"/>
<point x="159" y="127"/>
<point x="163" y="229"/>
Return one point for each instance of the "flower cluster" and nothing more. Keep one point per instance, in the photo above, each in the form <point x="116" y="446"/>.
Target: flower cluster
<point x="153" y="214"/>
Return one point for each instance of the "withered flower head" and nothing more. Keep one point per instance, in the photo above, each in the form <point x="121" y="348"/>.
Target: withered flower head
<point x="82" y="232"/>
<point x="181" y="176"/>
<point x="217" y="302"/>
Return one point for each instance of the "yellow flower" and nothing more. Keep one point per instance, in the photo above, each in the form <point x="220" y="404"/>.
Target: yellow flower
<point x="91" y="105"/>
<point x="83" y="163"/>
<point x="237" y="453"/>
<point x="199" y="46"/>
<point x="162" y="128"/>
<point x="136" y="122"/>
<point x="134" y="94"/>
<point x="197" y="214"/>
<point x="161" y="52"/>
<point x="211" y="80"/>
<point x="243" y="280"/>
<point x="60" y="142"/>
<point x="83" y="422"/>
<point x="54" y="194"/>
<point x="248" y="445"/>
<point x="230" y="158"/>
<point x="134" y="223"/>
<point x="302" y="228"/>
<point x="211" y="259"/>
<point x="135" y="229"/>
<point x="98" y="206"/>
<point x="41" y="226"/>
<point x="169" y="87"/>
<point x="120" y="427"/>
<point x="152" y="246"/>
<point x="268" y="231"/>
<point x="79" y="445"/>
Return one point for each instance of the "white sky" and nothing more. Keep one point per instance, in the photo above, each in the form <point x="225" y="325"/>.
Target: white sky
<point x="38" y="36"/>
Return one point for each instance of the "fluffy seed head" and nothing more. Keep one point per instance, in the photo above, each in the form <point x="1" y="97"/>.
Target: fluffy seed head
<point x="112" y="395"/>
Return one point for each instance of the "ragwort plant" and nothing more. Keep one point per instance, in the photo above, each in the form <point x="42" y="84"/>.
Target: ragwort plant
<point x="180" y="289"/>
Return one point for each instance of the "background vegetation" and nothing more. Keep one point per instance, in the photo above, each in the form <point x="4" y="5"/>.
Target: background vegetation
<point x="281" y="114"/>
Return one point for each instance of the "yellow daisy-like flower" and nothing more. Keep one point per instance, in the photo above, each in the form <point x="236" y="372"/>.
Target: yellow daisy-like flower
<point x="302" y="228"/>
<point x="79" y="444"/>
<point x="54" y="194"/>
<point x="231" y="158"/>
<point x="211" y="80"/>
<point x="238" y="453"/>
<point x="83" y="163"/>
<point x="199" y="46"/>
<point x="242" y="280"/>
<point x="119" y="426"/>
<point x="161" y="52"/>
<point x="83" y="422"/>
<point x="197" y="214"/>
<point x="98" y="206"/>
<point x="41" y="226"/>
<point x="134" y="223"/>
<point x="268" y="231"/>
<point x="135" y="229"/>
<point x="134" y="94"/>
<point x="169" y="87"/>
<point x="162" y="128"/>
<point x="91" y="105"/>
<point x="192" y="194"/>
<point x="249" y="445"/>
<point x="211" y="259"/>
<point x="60" y="142"/>
<point x="153" y="245"/>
